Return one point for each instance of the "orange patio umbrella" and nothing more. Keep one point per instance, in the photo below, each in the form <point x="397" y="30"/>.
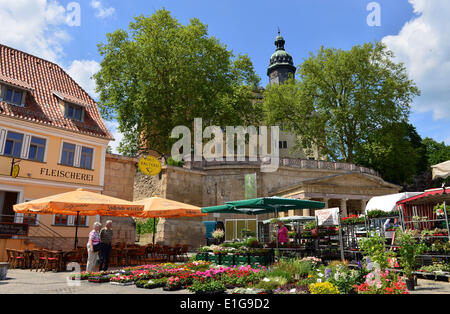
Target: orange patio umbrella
<point x="79" y="203"/>
<point x="158" y="207"/>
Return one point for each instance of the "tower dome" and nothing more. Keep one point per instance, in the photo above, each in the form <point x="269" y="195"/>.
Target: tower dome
<point x="281" y="63"/>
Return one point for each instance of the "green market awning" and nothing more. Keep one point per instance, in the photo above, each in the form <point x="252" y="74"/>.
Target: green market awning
<point x="263" y="205"/>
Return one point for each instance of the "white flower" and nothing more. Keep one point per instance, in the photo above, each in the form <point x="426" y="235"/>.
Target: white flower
<point x="266" y="279"/>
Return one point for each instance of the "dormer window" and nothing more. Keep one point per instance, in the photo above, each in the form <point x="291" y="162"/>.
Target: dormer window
<point x="13" y="96"/>
<point x="74" y="112"/>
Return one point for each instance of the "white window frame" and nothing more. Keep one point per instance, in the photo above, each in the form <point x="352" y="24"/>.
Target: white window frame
<point x="77" y="155"/>
<point x="70" y="221"/>
<point x="26" y="142"/>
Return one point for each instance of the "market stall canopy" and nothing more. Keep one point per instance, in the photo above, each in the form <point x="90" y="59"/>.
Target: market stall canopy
<point x="79" y="202"/>
<point x="292" y="218"/>
<point x="263" y="205"/>
<point x="388" y="203"/>
<point x="433" y="196"/>
<point x="441" y="170"/>
<point x="158" y="207"/>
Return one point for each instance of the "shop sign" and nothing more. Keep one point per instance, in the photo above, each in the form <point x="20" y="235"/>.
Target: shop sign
<point x="67" y="174"/>
<point x="149" y="165"/>
<point x="13" y="229"/>
<point x="327" y="217"/>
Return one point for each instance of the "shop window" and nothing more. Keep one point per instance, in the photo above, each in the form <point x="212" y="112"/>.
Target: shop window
<point x="68" y="154"/>
<point x="86" y="158"/>
<point x="13" y="144"/>
<point x="37" y="149"/>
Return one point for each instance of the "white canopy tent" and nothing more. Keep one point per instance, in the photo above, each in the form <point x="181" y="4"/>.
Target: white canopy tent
<point x="388" y="203"/>
<point x="441" y="170"/>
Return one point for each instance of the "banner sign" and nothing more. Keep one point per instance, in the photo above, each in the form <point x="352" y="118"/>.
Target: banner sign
<point x="13" y="229"/>
<point x="327" y="217"/>
<point x="250" y="186"/>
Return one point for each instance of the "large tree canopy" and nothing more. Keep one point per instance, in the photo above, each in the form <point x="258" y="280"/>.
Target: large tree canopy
<point x="396" y="151"/>
<point x="341" y="98"/>
<point x="160" y="74"/>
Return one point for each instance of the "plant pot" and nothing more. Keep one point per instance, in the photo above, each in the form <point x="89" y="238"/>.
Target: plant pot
<point x="3" y="270"/>
<point x="410" y="283"/>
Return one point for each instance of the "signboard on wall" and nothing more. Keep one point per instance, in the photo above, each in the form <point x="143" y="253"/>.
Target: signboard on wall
<point x="13" y="229"/>
<point x="250" y="186"/>
<point x="149" y="165"/>
<point x="327" y="217"/>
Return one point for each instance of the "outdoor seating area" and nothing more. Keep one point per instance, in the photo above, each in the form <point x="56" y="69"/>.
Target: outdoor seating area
<point x="122" y="255"/>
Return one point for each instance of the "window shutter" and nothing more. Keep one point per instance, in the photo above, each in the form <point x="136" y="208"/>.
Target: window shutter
<point x="77" y="157"/>
<point x="71" y="220"/>
<point x="2" y="141"/>
<point x="25" y="146"/>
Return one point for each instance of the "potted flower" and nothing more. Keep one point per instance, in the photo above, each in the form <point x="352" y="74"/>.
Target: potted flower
<point x="207" y="287"/>
<point x="173" y="283"/>
<point x="408" y="250"/>
<point x="218" y="235"/>
<point x="122" y="280"/>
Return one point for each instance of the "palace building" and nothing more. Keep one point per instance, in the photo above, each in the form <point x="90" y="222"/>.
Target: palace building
<point x="52" y="140"/>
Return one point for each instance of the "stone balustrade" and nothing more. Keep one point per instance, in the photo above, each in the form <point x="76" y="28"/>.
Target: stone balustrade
<point x="285" y="162"/>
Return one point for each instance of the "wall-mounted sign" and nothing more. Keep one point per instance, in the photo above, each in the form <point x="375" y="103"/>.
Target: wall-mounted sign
<point x="149" y="165"/>
<point x="67" y="174"/>
<point x="13" y="229"/>
<point x="15" y="171"/>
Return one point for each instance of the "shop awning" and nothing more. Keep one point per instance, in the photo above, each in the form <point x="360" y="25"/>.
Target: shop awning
<point x="388" y="203"/>
<point x="158" y="207"/>
<point x="441" y="170"/>
<point x="433" y="196"/>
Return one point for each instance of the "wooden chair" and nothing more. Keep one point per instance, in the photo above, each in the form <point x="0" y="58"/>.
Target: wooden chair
<point x="51" y="260"/>
<point x="11" y="258"/>
<point x="141" y="255"/>
<point x="38" y="260"/>
<point x="18" y="258"/>
<point x="168" y="252"/>
<point x="184" y="251"/>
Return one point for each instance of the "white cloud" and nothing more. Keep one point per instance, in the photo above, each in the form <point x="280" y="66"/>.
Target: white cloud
<point x="34" y="26"/>
<point x="102" y="12"/>
<point x="113" y="128"/>
<point x="82" y="71"/>
<point x="423" y="46"/>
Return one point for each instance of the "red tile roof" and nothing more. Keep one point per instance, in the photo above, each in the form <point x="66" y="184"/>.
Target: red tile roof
<point x="43" y="79"/>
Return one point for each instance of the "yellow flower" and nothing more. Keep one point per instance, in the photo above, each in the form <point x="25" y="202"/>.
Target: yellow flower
<point x="323" y="288"/>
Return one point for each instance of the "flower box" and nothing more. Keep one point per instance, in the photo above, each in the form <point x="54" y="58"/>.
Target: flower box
<point x="101" y="279"/>
<point x="126" y="283"/>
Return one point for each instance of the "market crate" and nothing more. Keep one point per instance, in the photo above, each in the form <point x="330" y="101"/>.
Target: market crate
<point x="241" y="260"/>
<point x="214" y="258"/>
<point x="227" y="260"/>
<point x="201" y="257"/>
<point x="259" y="260"/>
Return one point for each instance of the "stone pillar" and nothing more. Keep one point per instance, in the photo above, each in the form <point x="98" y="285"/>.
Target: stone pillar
<point x="343" y="208"/>
<point x="306" y="212"/>
<point x="363" y="206"/>
<point x="325" y="200"/>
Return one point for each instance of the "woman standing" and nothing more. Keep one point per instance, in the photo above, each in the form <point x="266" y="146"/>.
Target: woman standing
<point x="282" y="233"/>
<point x="93" y="246"/>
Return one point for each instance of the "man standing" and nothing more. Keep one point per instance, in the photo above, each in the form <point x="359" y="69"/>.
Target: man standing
<point x="106" y="236"/>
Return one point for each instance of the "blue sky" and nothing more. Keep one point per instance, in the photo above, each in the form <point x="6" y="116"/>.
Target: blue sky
<point x="250" y="27"/>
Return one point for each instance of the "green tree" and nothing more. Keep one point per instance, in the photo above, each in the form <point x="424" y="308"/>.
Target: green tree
<point x="436" y="152"/>
<point x="341" y="98"/>
<point x="160" y="74"/>
<point x="395" y="151"/>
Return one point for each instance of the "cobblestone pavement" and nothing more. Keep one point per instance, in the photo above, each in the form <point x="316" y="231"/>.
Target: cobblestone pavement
<point x="31" y="282"/>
